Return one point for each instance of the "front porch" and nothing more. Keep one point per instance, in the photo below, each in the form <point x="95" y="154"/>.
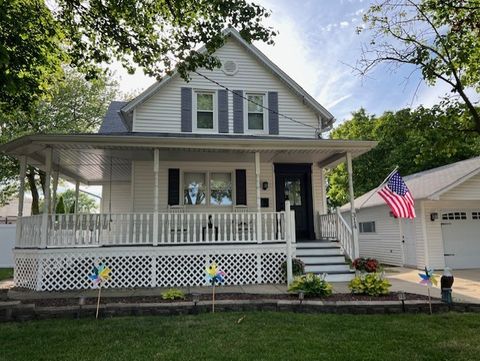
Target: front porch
<point x="149" y="231"/>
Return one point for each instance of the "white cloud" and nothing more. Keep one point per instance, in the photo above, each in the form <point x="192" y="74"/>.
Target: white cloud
<point x="343" y="24"/>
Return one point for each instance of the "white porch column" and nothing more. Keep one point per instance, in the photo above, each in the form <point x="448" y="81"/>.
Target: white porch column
<point x="352" y="205"/>
<point x="21" y="196"/>
<point x="53" y="205"/>
<point x="21" y="192"/>
<point x="77" y="193"/>
<point x="257" y="186"/>
<point x="48" y="175"/>
<point x="324" y="191"/>
<point x="156" y="166"/>
<point x="288" y="241"/>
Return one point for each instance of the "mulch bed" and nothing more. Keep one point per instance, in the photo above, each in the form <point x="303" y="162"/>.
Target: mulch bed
<point x="56" y="302"/>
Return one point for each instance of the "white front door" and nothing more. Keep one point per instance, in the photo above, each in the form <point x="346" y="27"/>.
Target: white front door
<point x="409" y="242"/>
<point x="461" y="238"/>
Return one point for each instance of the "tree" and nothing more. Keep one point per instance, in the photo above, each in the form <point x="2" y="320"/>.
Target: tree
<point x="76" y="106"/>
<point x="157" y="35"/>
<point x="30" y="52"/>
<point x="441" y="38"/>
<point x="86" y="204"/>
<point x="413" y="140"/>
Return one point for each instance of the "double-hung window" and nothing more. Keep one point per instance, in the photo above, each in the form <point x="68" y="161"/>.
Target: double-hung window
<point x="207" y="188"/>
<point x="256" y="115"/>
<point x="204" y="117"/>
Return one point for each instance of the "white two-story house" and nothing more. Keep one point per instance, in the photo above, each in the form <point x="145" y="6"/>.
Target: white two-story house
<point x="192" y="172"/>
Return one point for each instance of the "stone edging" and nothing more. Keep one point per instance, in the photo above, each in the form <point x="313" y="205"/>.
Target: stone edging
<point x="16" y="311"/>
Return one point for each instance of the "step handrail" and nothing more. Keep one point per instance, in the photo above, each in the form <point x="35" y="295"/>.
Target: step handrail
<point x="334" y="226"/>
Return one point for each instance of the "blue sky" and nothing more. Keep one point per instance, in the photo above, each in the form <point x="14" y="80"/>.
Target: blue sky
<point x="317" y="45"/>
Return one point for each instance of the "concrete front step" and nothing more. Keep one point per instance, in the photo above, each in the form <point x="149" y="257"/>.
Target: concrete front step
<point x="315" y="244"/>
<point x="340" y="277"/>
<point x="309" y="259"/>
<point x="318" y="252"/>
<point x="327" y="268"/>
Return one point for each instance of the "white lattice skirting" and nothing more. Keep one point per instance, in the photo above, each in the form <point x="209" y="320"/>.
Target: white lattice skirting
<point x="68" y="269"/>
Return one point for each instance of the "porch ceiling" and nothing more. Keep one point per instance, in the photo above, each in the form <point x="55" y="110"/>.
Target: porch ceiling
<point x="93" y="158"/>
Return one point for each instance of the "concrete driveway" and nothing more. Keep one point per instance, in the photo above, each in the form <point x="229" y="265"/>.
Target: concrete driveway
<point x="466" y="287"/>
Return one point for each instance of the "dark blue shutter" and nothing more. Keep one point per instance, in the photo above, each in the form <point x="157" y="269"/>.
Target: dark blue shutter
<point x="273" y="113"/>
<point x="186" y="109"/>
<point x="240" y="187"/>
<point x="173" y="186"/>
<point x="222" y="111"/>
<point x="238" y="111"/>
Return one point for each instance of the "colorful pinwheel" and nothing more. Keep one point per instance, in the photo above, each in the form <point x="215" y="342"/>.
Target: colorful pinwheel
<point x="214" y="274"/>
<point x="428" y="279"/>
<point x="100" y="274"/>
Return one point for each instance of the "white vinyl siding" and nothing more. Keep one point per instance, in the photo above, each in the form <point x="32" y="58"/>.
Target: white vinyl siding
<point x="468" y="190"/>
<point x="121" y="200"/>
<point x="161" y="113"/>
<point x="144" y="181"/>
<point x="385" y="244"/>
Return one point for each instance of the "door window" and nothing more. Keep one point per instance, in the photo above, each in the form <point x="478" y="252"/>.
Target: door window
<point x="293" y="192"/>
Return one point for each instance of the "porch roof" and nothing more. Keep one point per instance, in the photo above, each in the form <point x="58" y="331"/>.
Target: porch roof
<point x="97" y="158"/>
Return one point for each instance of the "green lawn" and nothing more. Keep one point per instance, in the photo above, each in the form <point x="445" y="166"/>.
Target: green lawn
<point x="6" y="273"/>
<point x="260" y="336"/>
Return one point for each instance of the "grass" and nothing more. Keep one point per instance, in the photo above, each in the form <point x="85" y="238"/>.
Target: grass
<point x="260" y="336"/>
<point x="6" y="273"/>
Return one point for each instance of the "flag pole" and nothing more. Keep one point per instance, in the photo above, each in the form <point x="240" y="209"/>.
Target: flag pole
<point x="376" y="189"/>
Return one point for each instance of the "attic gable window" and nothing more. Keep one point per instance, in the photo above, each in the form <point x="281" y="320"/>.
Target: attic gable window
<point x="204" y="115"/>
<point x="255" y="113"/>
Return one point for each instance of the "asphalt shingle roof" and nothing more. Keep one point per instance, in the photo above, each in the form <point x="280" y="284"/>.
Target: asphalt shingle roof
<point x="112" y="122"/>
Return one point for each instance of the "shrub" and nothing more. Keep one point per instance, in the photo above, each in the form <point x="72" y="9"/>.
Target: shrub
<point x="311" y="285"/>
<point x="372" y="284"/>
<point x="368" y="265"/>
<point x="173" y="294"/>
<point x="298" y="267"/>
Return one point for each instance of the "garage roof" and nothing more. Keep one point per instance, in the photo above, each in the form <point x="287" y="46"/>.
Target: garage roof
<point x="428" y="184"/>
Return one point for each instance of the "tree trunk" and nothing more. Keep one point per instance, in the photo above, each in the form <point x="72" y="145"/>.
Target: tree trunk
<point x="33" y="189"/>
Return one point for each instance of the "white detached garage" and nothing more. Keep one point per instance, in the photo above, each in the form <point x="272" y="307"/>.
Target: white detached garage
<point x="446" y="231"/>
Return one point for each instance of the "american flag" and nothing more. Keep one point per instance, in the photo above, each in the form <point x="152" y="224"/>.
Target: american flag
<point x="398" y="197"/>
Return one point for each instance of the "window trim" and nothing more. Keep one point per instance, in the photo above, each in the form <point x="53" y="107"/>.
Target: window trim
<point x="247" y="130"/>
<point x="360" y="228"/>
<point x="207" y="187"/>
<point x="195" y="111"/>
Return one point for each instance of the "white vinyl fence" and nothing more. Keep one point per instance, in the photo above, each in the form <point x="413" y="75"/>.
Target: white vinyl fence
<point x="7" y="243"/>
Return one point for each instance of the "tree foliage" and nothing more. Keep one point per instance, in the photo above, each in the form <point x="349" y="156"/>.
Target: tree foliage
<point x="441" y="38"/>
<point x="86" y="204"/>
<point x="30" y="52"/>
<point x="413" y="140"/>
<point x="157" y="35"/>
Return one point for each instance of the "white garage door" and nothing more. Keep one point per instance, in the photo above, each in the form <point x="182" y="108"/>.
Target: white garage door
<point x="461" y="238"/>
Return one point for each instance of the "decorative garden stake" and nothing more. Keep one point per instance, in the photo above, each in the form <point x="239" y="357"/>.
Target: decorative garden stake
<point x="98" y="277"/>
<point x="428" y="279"/>
<point x="446" y="283"/>
<point x="214" y="275"/>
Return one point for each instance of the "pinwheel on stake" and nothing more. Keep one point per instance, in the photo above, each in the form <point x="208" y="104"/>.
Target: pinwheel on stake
<point x="214" y="275"/>
<point x="98" y="277"/>
<point x="428" y="279"/>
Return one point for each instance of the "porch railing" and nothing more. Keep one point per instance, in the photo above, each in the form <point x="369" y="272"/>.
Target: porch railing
<point x="334" y="226"/>
<point x="67" y="230"/>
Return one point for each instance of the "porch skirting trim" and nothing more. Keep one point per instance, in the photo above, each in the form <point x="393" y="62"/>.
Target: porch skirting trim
<point x="68" y="269"/>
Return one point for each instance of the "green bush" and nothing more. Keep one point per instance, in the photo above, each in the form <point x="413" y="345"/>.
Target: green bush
<point x="173" y="294"/>
<point x="311" y="285"/>
<point x="372" y="284"/>
<point x="298" y="267"/>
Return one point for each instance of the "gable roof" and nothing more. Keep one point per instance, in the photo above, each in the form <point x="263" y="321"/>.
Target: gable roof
<point x="113" y="122"/>
<point x="429" y="184"/>
<point x="327" y="117"/>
